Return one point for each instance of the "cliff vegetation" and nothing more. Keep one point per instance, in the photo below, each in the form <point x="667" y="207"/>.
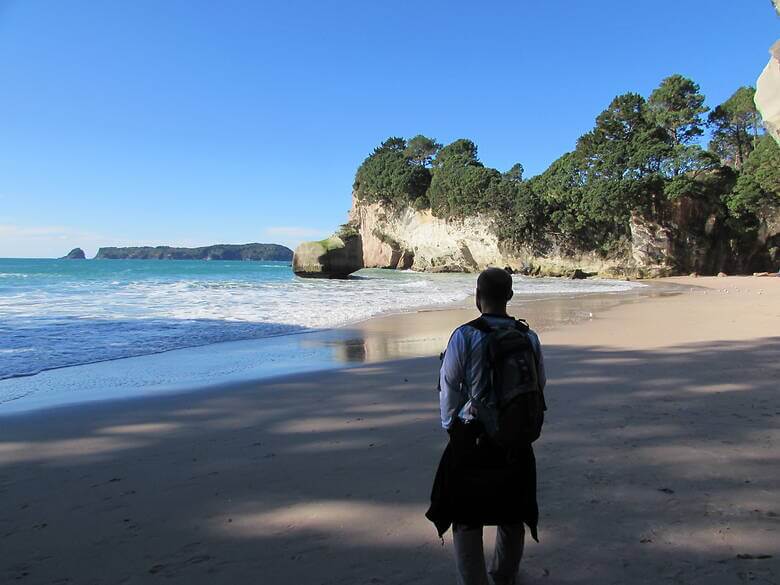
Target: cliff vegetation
<point x="707" y="179"/>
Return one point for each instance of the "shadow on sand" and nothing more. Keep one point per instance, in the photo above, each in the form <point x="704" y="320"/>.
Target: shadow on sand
<point x="654" y="467"/>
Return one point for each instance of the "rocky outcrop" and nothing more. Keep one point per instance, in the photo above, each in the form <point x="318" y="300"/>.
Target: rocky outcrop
<point x="692" y="238"/>
<point x="651" y="246"/>
<point x="216" y="252"/>
<point x="768" y="93"/>
<point x="695" y="238"/>
<point x="335" y="257"/>
<point x="410" y="239"/>
<point x="416" y="239"/>
<point x="75" y="254"/>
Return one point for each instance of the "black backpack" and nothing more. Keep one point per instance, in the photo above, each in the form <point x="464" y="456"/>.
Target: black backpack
<point x="511" y="409"/>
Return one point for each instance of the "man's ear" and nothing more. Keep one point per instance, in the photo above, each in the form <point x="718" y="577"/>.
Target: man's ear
<point x="510" y="295"/>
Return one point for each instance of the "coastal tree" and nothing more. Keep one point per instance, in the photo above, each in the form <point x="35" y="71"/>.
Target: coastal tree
<point x="463" y="150"/>
<point x="757" y="190"/>
<point x="677" y="105"/>
<point x="622" y="159"/>
<point x="461" y="184"/>
<point x="389" y="175"/>
<point x="515" y="173"/>
<point x="420" y="150"/>
<point x="641" y="156"/>
<point x="735" y="127"/>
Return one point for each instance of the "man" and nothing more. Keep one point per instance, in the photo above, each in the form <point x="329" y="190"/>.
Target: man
<point x="479" y="482"/>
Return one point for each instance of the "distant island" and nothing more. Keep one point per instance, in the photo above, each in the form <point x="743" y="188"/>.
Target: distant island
<point x="216" y="252"/>
<point x="75" y="254"/>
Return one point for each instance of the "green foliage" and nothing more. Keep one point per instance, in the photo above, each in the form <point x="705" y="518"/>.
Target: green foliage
<point x="757" y="191"/>
<point x="347" y="230"/>
<point x="420" y="150"/>
<point x="389" y="175"/>
<point x="735" y="127"/>
<point x="676" y="106"/>
<point x="461" y="185"/>
<point x="641" y="157"/>
<point x="515" y="173"/>
<point x="462" y="150"/>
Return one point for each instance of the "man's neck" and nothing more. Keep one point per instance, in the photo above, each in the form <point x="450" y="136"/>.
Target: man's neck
<point x="494" y="312"/>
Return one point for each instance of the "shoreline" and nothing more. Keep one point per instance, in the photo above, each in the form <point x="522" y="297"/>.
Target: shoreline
<point x="663" y="425"/>
<point x="419" y="332"/>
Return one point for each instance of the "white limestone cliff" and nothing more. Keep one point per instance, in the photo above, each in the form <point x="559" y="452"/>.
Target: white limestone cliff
<point x="407" y="238"/>
<point x="768" y="93"/>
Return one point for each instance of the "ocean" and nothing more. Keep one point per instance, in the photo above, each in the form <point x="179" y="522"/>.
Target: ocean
<point x="63" y="313"/>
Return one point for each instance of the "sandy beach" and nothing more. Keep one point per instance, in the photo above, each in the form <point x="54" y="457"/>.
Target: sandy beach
<point x="658" y="463"/>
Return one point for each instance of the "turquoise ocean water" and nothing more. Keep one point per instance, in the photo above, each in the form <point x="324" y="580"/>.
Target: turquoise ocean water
<point x="60" y="313"/>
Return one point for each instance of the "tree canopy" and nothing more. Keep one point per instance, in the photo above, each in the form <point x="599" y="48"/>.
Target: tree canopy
<point x="676" y="106"/>
<point x="757" y="191"/>
<point x="640" y="157"/>
<point x="735" y="127"/>
<point x="420" y="150"/>
<point x="390" y="174"/>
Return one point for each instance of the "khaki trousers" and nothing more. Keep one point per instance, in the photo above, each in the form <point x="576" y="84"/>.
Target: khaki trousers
<point x="470" y="555"/>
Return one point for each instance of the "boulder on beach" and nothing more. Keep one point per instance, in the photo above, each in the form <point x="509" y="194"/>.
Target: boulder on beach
<point x="335" y="257"/>
<point x="75" y="254"/>
<point x="580" y="274"/>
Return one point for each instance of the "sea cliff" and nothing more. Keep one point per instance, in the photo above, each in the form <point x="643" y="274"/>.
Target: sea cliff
<point x="693" y="238"/>
<point x="642" y="194"/>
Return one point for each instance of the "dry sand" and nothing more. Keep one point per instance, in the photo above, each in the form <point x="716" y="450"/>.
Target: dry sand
<point x="658" y="464"/>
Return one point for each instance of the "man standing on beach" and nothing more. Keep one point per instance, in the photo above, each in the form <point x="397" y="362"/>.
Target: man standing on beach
<point x="486" y="477"/>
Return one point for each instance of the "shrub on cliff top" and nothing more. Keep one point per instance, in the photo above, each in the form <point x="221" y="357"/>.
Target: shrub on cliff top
<point x="461" y="185"/>
<point x="392" y="174"/>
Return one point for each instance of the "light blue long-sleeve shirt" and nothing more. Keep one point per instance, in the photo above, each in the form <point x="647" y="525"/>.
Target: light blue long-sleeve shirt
<point x="462" y="369"/>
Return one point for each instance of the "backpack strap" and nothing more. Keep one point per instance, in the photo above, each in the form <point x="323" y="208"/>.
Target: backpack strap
<point x="522" y="325"/>
<point x="480" y="324"/>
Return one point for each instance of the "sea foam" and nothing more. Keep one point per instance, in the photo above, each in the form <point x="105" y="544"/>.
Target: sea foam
<point x="55" y="314"/>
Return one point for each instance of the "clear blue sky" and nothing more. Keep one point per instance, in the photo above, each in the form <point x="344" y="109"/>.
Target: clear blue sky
<point x="184" y="122"/>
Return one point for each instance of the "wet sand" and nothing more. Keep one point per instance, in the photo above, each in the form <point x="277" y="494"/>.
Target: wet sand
<point x="658" y="463"/>
<point x="415" y="334"/>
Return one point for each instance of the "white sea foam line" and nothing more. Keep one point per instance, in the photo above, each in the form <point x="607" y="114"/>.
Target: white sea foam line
<point x="270" y="308"/>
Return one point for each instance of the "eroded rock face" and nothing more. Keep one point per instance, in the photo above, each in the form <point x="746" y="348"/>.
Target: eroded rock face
<point x="334" y="257"/>
<point x="692" y="238"/>
<point x="768" y="93"/>
<point x="651" y="246"/>
<point x="408" y="238"/>
<point x="75" y="254"/>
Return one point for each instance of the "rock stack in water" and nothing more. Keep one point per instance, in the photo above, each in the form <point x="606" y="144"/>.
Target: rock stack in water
<point x="75" y="254"/>
<point x="335" y="257"/>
